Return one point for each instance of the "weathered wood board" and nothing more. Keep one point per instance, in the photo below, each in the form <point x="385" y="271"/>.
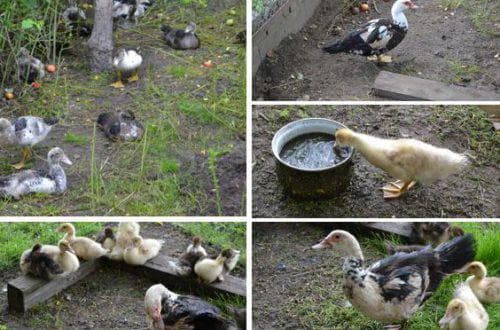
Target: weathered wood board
<point x="399" y="228"/>
<point x="26" y="291"/>
<point x="406" y="88"/>
<point x="160" y="270"/>
<point x="290" y="18"/>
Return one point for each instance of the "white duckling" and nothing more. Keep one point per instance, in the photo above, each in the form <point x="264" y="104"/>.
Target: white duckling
<point x="464" y="311"/>
<point x="127" y="60"/>
<point x="38" y="181"/>
<point x="51" y="250"/>
<point x="408" y="160"/>
<point x="209" y="270"/>
<point x="141" y="250"/>
<point x="84" y="247"/>
<point x="486" y="289"/>
<point x="67" y="258"/>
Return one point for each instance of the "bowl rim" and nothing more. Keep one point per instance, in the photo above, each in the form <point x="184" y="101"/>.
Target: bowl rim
<point x="316" y="170"/>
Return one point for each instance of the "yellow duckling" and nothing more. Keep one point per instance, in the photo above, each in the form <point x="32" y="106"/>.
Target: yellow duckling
<point x="464" y="311"/>
<point x="486" y="289"/>
<point x="408" y="160"/>
<point x="67" y="258"/>
<point x="209" y="270"/>
<point x="141" y="250"/>
<point x="84" y="247"/>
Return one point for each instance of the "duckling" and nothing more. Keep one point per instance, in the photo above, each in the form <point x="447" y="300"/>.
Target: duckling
<point x="464" y="311"/>
<point x="125" y="9"/>
<point x="232" y="259"/>
<point x="51" y="250"/>
<point x="127" y="60"/>
<point x="121" y="126"/>
<point x="166" y="308"/>
<point x="30" y="68"/>
<point x="37" y="181"/>
<point x="126" y="232"/>
<point x="181" y="39"/>
<point x="41" y="264"/>
<point x="66" y="258"/>
<point x="194" y="252"/>
<point x="84" y="247"/>
<point x="7" y="133"/>
<point x="209" y="270"/>
<point x="106" y="238"/>
<point x="408" y="160"/>
<point x="28" y="131"/>
<point x="75" y="19"/>
<point x="486" y="289"/>
<point x="141" y="250"/>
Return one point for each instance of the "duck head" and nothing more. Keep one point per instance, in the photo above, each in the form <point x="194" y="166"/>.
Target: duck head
<point x="64" y="246"/>
<point x="6" y="127"/>
<point x="455" y="309"/>
<point x="475" y="268"/>
<point x="66" y="228"/>
<point x="108" y="232"/>
<point x="342" y="241"/>
<point x="197" y="240"/>
<point x="190" y="28"/>
<point x="153" y="303"/>
<point x="57" y="156"/>
<point x="344" y="137"/>
<point x="398" y="9"/>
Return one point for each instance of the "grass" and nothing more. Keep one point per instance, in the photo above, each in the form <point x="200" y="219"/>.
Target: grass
<point x="76" y="139"/>
<point x="464" y="72"/>
<point x="482" y="13"/>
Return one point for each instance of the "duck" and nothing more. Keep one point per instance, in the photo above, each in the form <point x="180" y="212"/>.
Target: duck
<point x="408" y="160"/>
<point x="168" y="310"/>
<point x="106" y="238"/>
<point x="7" y="133"/>
<point x="232" y="259"/>
<point x="209" y="270"/>
<point x="51" y="250"/>
<point x="74" y="19"/>
<point x="26" y="132"/>
<point x="486" y="289"/>
<point x="376" y="37"/>
<point x="393" y="289"/>
<point x="181" y="39"/>
<point x="141" y="250"/>
<point x="194" y="252"/>
<point x="121" y="126"/>
<point x="126" y="60"/>
<point x="29" y="67"/>
<point x="41" y="264"/>
<point x="84" y="247"/>
<point x="66" y="258"/>
<point x="126" y="9"/>
<point x="27" y="182"/>
<point x="464" y="311"/>
<point x="126" y="232"/>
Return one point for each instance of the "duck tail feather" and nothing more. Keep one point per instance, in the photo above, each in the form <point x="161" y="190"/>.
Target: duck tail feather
<point x="335" y="48"/>
<point x="455" y="254"/>
<point x="51" y="121"/>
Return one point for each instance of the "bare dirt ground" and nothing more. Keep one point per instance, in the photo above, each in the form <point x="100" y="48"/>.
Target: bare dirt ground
<point x="473" y="193"/>
<point x="440" y="45"/>
<point x="110" y="298"/>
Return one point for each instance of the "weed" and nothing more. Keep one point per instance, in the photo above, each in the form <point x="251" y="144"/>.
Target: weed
<point x="74" y="138"/>
<point x="212" y="164"/>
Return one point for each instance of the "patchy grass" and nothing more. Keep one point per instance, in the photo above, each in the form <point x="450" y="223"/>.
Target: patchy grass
<point x="74" y="138"/>
<point x="483" y="13"/>
<point x="464" y="72"/>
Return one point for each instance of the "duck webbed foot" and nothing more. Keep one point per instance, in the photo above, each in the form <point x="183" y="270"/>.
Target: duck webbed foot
<point x="396" y="189"/>
<point x="26" y="154"/>
<point x="119" y="82"/>
<point x="380" y="58"/>
<point x="133" y="77"/>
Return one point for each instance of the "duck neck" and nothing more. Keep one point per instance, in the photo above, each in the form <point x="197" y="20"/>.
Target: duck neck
<point x="353" y="269"/>
<point x="57" y="173"/>
<point x="399" y="18"/>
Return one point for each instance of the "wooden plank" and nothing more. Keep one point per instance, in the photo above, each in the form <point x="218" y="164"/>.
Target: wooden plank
<point x="399" y="228"/>
<point x="406" y="88"/>
<point x="26" y="291"/>
<point x="289" y="19"/>
<point x="159" y="269"/>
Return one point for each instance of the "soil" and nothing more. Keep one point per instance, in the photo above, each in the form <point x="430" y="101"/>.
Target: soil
<point x="110" y="298"/>
<point x="300" y="70"/>
<point x="472" y="194"/>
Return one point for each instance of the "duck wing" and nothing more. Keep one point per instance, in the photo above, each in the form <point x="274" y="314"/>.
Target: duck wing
<point x="186" y="309"/>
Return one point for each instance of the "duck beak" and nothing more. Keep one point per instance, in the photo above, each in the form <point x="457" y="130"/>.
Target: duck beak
<point x="443" y="323"/>
<point x="66" y="160"/>
<point x="322" y="245"/>
<point x="411" y="5"/>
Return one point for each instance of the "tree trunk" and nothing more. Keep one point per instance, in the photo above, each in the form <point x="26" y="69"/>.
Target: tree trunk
<point x="101" y="40"/>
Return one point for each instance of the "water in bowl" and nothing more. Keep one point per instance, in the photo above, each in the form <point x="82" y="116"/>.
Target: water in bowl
<point x="312" y="151"/>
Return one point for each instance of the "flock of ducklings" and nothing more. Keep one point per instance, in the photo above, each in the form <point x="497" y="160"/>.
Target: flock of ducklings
<point x="394" y="288"/>
<point x="28" y="131"/>
<point x="54" y="261"/>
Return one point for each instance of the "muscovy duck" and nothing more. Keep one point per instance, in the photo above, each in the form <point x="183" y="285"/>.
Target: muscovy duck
<point x="37" y="181"/>
<point x="408" y="160"/>
<point x="181" y="39"/>
<point x="393" y="289"/>
<point x="168" y="310"/>
<point x="378" y="36"/>
<point x="127" y="60"/>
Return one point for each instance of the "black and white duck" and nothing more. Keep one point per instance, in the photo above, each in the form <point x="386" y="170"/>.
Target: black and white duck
<point x="194" y="252"/>
<point x="121" y="126"/>
<point x="30" y="68"/>
<point x="75" y="20"/>
<point x="28" y="131"/>
<point x="181" y="39"/>
<point x="394" y="288"/>
<point x="26" y="182"/>
<point x="127" y="9"/>
<point x="168" y="310"/>
<point x="378" y="36"/>
<point x="126" y="60"/>
<point x="40" y="264"/>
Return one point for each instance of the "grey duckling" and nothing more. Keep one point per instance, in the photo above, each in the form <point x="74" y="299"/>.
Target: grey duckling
<point x="121" y="126"/>
<point x="41" y="264"/>
<point x="181" y="39"/>
<point x="26" y="182"/>
<point x="232" y="259"/>
<point x="106" y="238"/>
<point x="30" y="68"/>
<point x="194" y="252"/>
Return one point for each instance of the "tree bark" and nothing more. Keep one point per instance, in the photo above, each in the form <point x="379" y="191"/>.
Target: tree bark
<point x="101" y="40"/>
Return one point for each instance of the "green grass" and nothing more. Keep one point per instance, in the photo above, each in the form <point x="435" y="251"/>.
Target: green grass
<point x="464" y="71"/>
<point x="74" y="138"/>
<point x="482" y="12"/>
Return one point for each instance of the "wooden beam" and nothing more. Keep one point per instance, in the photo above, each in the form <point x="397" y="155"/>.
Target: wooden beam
<point x="399" y="228"/>
<point x="159" y="269"/>
<point x="406" y="88"/>
<point x="26" y="291"/>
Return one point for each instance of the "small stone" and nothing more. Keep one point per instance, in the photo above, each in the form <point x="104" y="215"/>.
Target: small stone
<point x="281" y="267"/>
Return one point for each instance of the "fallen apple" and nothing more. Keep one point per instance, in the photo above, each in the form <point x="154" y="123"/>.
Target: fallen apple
<point x="364" y="7"/>
<point x="36" y="85"/>
<point x="51" y="68"/>
<point x="208" y="64"/>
